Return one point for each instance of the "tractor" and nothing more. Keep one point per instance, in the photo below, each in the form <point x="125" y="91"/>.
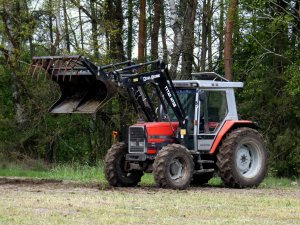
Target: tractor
<point x="186" y="130"/>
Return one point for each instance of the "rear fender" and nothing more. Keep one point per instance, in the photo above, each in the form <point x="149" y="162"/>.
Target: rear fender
<point x="227" y="127"/>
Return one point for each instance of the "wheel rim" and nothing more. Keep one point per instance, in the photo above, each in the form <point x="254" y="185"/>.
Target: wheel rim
<point x="248" y="159"/>
<point x="177" y="168"/>
<point x="121" y="167"/>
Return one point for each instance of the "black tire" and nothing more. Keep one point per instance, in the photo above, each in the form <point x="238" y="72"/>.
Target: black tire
<point x="173" y="167"/>
<point x="201" y="179"/>
<point x="242" y="159"/>
<point x="114" y="168"/>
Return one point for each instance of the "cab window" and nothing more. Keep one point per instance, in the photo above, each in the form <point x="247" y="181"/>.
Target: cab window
<point x="213" y="110"/>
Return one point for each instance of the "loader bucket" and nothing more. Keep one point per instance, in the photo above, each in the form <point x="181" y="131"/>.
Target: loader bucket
<point x="84" y="94"/>
<point x="84" y="86"/>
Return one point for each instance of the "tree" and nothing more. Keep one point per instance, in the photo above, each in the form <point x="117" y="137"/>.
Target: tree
<point x="163" y="31"/>
<point x="9" y="12"/>
<point x="142" y="32"/>
<point x="130" y="28"/>
<point x="228" y="46"/>
<point x="155" y="30"/>
<point x="66" y="26"/>
<point x="176" y="20"/>
<point x="114" y="26"/>
<point x="188" y="40"/>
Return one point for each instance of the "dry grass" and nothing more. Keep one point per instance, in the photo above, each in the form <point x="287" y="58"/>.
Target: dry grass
<point x="53" y="203"/>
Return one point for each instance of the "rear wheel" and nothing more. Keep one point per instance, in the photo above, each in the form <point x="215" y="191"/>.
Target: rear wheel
<point x="173" y="167"/>
<point x="115" y="168"/>
<point x="242" y="159"/>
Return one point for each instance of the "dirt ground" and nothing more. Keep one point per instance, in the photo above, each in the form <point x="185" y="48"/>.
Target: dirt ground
<point x="27" y="201"/>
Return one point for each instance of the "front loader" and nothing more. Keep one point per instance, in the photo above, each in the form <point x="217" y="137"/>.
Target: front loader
<point x="189" y="128"/>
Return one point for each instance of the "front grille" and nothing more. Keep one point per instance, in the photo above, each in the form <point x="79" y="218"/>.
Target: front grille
<point x="137" y="138"/>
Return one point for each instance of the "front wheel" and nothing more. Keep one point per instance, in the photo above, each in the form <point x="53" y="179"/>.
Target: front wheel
<point x="115" y="168"/>
<point x="173" y="167"/>
<point x="242" y="159"/>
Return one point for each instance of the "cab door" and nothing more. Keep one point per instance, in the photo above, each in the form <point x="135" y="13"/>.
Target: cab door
<point x="213" y="109"/>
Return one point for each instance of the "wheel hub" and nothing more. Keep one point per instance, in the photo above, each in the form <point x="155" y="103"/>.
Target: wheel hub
<point x="244" y="159"/>
<point x="176" y="168"/>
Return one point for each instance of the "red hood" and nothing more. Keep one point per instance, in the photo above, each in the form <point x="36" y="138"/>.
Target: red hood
<point x="159" y="128"/>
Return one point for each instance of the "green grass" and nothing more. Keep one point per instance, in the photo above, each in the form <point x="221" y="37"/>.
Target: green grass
<point x="86" y="173"/>
<point x="74" y="172"/>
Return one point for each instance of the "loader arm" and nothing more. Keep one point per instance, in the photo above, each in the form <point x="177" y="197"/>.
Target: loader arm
<point x="163" y="86"/>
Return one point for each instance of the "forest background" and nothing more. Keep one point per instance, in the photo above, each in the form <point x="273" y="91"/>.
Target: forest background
<point x="187" y="34"/>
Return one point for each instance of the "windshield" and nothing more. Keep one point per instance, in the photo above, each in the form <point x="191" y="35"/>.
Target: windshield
<point x="187" y="99"/>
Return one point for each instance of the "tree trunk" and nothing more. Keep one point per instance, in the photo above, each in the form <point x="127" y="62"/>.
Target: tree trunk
<point x="31" y="27"/>
<point x="204" y="35"/>
<point x="228" y="44"/>
<point x="94" y="29"/>
<point x="188" y="40"/>
<point x="163" y="31"/>
<point x="221" y="31"/>
<point x="118" y="34"/>
<point x="12" y="10"/>
<point x="52" y="48"/>
<point x="142" y="32"/>
<point x="76" y="44"/>
<point x="130" y="29"/>
<point x="209" y="34"/>
<point x="149" y="23"/>
<point x="66" y="30"/>
<point x="296" y="28"/>
<point x="56" y="45"/>
<point x="114" y="26"/>
<point x="81" y="28"/>
<point x="176" y="24"/>
<point x="155" y="30"/>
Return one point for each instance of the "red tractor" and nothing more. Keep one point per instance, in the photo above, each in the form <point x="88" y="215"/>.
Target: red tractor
<point x="188" y="129"/>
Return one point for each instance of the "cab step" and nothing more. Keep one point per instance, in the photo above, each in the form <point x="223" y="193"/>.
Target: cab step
<point x="205" y="161"/>
<point x="204" y="171"/>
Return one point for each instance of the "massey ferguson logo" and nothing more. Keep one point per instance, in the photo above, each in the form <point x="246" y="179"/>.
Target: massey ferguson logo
<point x="151" y="77"/>
<point x="170" y="96"/>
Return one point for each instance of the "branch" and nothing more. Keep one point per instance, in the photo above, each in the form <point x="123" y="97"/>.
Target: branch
<point x="76" y="3"/>
<point x="268" y="51"/>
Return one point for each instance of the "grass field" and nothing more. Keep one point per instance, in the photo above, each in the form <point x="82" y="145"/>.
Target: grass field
<point x="58" y="203"/>
<point x="47" y="198"/>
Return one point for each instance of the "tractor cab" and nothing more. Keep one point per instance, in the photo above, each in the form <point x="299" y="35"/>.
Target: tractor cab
<point x="207" y="105"/>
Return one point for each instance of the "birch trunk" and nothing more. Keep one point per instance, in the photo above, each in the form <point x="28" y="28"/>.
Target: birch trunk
<point x="176" y="24"/>
<point x="163" y="32"/>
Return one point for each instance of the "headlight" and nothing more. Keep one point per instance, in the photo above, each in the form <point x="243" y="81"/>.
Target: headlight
<point x="133" y="144"/>
<point x="141" y="144"/>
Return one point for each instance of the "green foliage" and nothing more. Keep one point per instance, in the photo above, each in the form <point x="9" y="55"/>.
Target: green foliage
<point x="268" y="63"/>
